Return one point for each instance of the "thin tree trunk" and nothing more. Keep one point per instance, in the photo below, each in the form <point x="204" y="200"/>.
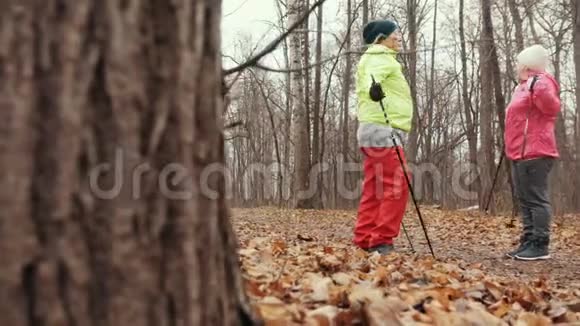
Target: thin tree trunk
<point x="576" y="6"/>
<point x="560" y="182"/>
<point x="518" y="22"/>
<point x="307" y="92"/>
<point x="347" y="83"/>
<point x="486" y="98"/>
<point x="412" y="64"/>
<point x="500" y="111"/>
<point x="288" y="181"/>
<point x="365" y="10"/>
<point x="470" y="120"/>
<point x="316" y="159"/>
<point x="532" y="24"/>
<point x="429" y="185"/>
<point x="92" y="115"/>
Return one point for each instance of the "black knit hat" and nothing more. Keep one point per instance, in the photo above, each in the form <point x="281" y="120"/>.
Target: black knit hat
<point x="377" y="28"/>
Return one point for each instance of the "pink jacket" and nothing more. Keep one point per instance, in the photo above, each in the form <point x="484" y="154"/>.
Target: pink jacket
<point x="531" y="118"/>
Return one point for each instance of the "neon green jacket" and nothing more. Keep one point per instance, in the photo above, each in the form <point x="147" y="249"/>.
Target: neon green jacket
<point x="381" y="62"/>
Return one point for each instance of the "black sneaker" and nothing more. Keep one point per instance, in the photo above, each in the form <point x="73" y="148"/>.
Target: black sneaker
<point x="524" y="243"/>
<point x="383" y="249"/>
<point x="537" y="250"/>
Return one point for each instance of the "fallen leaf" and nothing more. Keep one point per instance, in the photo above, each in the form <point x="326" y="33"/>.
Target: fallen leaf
<point x="494" y="289"/>
<point x="342" y="278"/>
<point x="363" y="293"/>
<point x="530" y="319"/>
<point x="379" y="315"/>
<point x="279" y="247"/>
<point x="319" y="286"/>
<point x="500" y="308"/>
<point x="322" y="316"/>
<point x="303" y="238"/>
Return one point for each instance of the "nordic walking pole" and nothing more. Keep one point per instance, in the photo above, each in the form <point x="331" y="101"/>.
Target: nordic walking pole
<point x="377" y="94"/>
<point x="407" y="236"/>
<point x="494" y="181"/>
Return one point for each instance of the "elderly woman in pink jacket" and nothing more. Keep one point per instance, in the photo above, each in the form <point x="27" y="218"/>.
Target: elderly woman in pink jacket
<point x="531" y="145"/>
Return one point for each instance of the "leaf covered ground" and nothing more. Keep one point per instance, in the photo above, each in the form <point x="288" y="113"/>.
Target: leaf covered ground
<point x="301" y="269"/>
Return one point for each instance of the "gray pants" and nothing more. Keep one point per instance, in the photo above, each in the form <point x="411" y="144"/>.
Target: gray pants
<point x="531" y="185"/>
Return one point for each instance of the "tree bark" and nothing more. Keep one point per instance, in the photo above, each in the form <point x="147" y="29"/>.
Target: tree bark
<point x="299" y="129"/>
<point x="347" y="82"/>
<point x="412" y="64"/>
<point x="470" y="119"/>
<point x="365" y="10"/>
<point x="486" y="99"/>
<point x="102" y="91"/>
<point x="429" y="182"/>
<point x="518" y="22"/>
<point x="576" y="6"/>
<point x="307" y="79"/>
<point x="317" y="201"/>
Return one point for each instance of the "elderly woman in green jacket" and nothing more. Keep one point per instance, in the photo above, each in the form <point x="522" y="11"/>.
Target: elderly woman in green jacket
<point x="385" y="191"/>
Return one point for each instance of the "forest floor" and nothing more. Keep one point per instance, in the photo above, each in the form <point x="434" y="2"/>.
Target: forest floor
<point x="301" y="268"/>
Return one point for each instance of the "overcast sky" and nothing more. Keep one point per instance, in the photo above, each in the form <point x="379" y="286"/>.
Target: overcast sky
<point x="243" y="19"/>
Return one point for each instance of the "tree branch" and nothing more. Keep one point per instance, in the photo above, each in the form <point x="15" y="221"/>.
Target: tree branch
<point x="274" y="44"/>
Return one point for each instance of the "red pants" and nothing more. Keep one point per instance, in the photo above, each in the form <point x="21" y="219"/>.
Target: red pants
<point x="384" y="198"/>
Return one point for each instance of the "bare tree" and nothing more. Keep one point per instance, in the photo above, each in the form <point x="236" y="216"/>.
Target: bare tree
<point x="317" y="104"/>
<point x="347" y="82"/>
<point x="576" y="8"/>
<point x="470" y="118"/>
<point x="518" y="23"/>
<point x="487" y="104"/>
<point x="412" y="26"/>
<point x="94" y="109"/>
<point x="299" y="127"/>
<point x="365" y="9"/>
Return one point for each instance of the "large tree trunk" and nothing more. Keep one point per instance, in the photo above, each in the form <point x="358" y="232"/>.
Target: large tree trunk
<point x="101" y="99"/>
<point x="299" y="128"/>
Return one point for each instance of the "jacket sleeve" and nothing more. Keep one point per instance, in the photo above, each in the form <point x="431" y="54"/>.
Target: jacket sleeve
<point x="546" y="97"/>
<point x="382" y="69"/>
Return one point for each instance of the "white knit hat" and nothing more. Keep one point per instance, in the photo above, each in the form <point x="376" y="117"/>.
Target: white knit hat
<point x="534" y="57"/>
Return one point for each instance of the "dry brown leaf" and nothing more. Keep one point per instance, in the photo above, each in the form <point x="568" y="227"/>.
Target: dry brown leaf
<point x="494" y="289"/>
<point x="254" y="288"/>
<point x="530" y="319"/>
<point x="380" y="315"/>
<point x="445" y="295"/>
<point x="274" y="312"/>
<point x="574" y="307"/>
<point x="330" y="263"/>
<point x="279" y="247"/>
<point x="322" y="316"/>
<point x="477" y="315"/>
<point x="363" y="293"/>
<point x="286" y="282"/>
<point x="441" y="317"/>
<point x="319" y="286"/>
<point x="342" y="278"/>
<point x="500" y="308"/>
